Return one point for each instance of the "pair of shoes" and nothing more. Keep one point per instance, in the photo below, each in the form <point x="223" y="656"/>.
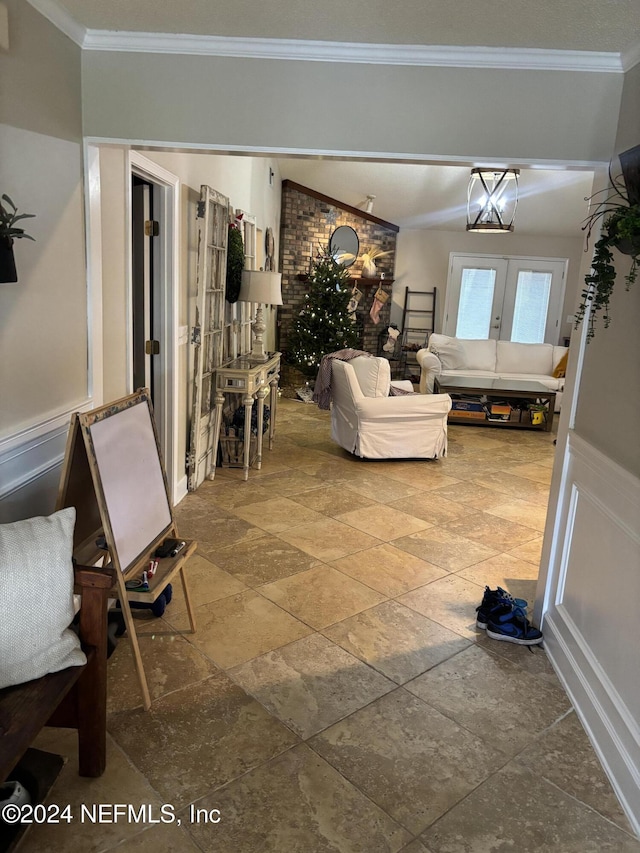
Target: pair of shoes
<point x="505" y="618"/>
<point x="493" y="598"/>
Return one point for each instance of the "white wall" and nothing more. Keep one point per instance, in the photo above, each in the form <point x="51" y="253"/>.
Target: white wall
<point x="43" y="318"/>
<point x="423" y="111"/>
<point x="422" y="262"/>
<point x="589" y="584"/>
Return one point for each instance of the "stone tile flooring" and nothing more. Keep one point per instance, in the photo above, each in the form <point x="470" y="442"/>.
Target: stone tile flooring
<point x="337" y="697"/>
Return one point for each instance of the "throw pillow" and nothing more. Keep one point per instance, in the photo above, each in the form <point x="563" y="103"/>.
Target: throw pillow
<point x="36" y="592"/>
<point x="560" y="370"/>
<point x="448" y="350"/>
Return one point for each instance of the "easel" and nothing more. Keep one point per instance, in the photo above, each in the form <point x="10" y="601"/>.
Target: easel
<point x="114" y="477"/>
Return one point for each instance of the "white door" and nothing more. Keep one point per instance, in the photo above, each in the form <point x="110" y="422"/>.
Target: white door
<point x="509" y="299"/>
<point x="475" y="295"/>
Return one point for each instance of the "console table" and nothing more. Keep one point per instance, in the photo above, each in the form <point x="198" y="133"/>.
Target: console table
<point x="252" y="380"/>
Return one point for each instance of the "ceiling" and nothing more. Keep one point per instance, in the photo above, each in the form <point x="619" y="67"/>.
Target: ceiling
<point x="593" y="25"/>
<point x="552" y="202"/>
<point x="435" y="197"/>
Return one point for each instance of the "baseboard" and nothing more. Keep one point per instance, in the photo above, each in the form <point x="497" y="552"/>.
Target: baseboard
<point x="606" y="720"/>
<point x="181" y="490"/>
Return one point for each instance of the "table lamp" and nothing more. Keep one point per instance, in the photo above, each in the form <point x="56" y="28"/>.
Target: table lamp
<point x="263" y="288"/>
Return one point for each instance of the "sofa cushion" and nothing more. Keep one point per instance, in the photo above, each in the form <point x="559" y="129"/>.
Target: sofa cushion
<point x="548" y="381"/>
<point x="524" y="358"/>
<point x="373" y="374"/>
<point x="479" y="355"/>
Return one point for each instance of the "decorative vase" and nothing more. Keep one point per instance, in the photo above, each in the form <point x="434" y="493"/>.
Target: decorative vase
<point x="369" y="269"/>
<point x="8" y="273"/>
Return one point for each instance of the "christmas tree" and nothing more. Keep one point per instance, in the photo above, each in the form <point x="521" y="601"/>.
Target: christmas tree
<point x="323" y="324"/>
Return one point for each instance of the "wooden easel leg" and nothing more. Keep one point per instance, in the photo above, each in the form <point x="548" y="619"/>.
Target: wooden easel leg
<point x="133" y="639"/>
<point x="187" y="601"/>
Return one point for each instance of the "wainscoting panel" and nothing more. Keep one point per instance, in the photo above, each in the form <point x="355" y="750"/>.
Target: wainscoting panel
<point x="590" y="628"/>
<point x="30" y="463"/>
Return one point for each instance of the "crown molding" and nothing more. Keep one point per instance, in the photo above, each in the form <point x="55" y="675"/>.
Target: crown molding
<point x="61" y="19"/>
<point x="354" y="52"/>
<point x="630" y="58"/>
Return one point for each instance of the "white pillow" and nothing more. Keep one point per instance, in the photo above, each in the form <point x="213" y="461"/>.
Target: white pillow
<point x="374" y="375"/>
<point x="36" y="596"/>
<point x="525" y="358"/>
<point x="448" y="350"/>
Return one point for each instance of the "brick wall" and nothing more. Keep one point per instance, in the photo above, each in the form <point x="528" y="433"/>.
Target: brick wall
<point x="309" y="221"/>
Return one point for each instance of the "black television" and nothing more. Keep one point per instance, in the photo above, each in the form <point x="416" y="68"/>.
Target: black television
<point x="630" y="163"/>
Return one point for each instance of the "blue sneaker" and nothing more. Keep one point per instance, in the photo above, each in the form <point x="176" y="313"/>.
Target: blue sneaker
<point x="496" y="598"/>
<point x="511" y="625"/>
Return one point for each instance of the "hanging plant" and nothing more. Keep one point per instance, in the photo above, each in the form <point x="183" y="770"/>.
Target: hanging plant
<point x="235" y="263"/>
<point x="620" y="230"/>
<point x="8" y="233"/>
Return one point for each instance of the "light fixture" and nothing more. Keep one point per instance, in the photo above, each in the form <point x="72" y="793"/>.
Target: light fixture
<point x="492" y="199"/>
<point x="264" y="288"/>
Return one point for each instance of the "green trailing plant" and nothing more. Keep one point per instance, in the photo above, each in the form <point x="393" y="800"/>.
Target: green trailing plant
<point x="620" y="222"/>
<point x="8" y="217"/>
<point x="235" y="263"/>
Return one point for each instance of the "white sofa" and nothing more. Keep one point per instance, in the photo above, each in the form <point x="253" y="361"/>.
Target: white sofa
<point x="446" y="357"/>
<point x="366" y="421"/>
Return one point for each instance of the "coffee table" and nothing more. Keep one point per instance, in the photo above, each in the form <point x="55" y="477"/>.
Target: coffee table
<point x="500" y="391"/>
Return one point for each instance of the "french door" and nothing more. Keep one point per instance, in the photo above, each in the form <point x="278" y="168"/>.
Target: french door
<point x="509" y="299"/>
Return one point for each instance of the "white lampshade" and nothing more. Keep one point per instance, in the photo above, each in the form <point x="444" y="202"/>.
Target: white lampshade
<point x="262" y="287"/>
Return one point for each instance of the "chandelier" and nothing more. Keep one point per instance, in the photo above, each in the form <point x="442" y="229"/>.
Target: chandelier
<point x="492" y="199"/>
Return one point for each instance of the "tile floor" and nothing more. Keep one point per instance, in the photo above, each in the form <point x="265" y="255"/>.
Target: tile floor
<point x="337" y="696"/>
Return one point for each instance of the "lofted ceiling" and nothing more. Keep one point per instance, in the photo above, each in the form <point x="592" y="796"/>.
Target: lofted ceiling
<point x="552" y="202"/>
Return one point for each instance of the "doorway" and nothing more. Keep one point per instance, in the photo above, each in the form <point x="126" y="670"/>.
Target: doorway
<point x="153" y="206"/>
<point x="144" y="287"/>
<point x="505" y="298"/>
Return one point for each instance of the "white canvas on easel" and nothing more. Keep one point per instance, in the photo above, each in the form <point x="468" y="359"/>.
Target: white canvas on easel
<point x="114" y="477"/>
<point x="132" y="481"/>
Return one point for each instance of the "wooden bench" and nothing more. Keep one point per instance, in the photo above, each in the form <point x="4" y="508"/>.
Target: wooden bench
<point x="72" y="698"/>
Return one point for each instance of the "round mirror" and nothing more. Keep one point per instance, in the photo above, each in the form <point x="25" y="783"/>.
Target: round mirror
<point x="344" y="245"/>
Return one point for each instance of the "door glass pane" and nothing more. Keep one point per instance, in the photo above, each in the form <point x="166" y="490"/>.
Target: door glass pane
<point x="530" y="311"/>
<point x="476" y="298"/>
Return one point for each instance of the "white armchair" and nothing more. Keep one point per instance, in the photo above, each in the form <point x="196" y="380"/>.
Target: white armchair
<point x="376" y="426"/>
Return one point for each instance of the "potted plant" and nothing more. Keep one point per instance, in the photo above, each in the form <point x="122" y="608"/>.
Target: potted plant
<point x="621" y="231"/>
<point x="8" y="233"/>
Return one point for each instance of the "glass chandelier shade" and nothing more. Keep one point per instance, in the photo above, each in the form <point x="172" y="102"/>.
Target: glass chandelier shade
<point x="492" y="198"/>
